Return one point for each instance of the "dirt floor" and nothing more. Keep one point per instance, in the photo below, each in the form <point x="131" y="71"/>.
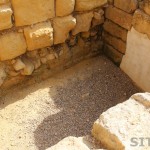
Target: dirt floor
<point x="39" y="116"/>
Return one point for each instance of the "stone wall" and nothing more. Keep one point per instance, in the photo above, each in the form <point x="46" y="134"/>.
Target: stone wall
<point x="45" y="36"/>
<point x="127" y="38"/>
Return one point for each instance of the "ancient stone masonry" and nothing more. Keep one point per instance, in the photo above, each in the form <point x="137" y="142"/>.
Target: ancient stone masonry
<point x="127" y="35"/>
<point x="47" y="35"/>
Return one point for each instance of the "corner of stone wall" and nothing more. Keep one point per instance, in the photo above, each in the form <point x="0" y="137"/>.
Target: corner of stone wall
<point x="44" y="37"/>
<point x="119" y="16"/>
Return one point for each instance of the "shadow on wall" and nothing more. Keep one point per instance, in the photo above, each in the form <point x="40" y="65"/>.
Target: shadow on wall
<point x="81" y="102"/>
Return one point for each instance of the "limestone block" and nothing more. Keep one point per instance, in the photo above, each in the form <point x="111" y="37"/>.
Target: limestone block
<point x="70" y="143"/>
<point x="83" y="22"/>
<point x="146" y="6"/>
<point x="64" y="7"/>
<point x="141" y="22"/>
<point x="12" y="45"/>
<point x="119" y="17"/>
<point x="117" y="127"/>
<point x="84" y="5"/>
<point x="136" y="62"/>
<point x="62" y="27"/>
<point x="3" y="1"/>
<point x="28" y="12"/>
<point x="128" y="6"/>
<point x="5" y="17"/>
<point x="115" y="30"/>
<point x="113" y="54"/>
<point x="39" y="36"/>
<point x="115" y="42"/>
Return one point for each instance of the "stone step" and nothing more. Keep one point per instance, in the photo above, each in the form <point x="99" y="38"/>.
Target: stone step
<point x="125" y="126"/>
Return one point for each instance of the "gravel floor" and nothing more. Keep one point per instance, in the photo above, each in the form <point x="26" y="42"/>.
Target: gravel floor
<point x="67" y="104"/>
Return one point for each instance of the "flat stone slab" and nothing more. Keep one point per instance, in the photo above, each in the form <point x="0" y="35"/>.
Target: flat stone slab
<point x="125" y="126"/>
<point x="70" y="143"/>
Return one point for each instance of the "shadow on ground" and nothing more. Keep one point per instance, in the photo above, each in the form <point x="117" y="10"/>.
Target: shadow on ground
<point x="81" y="101"/>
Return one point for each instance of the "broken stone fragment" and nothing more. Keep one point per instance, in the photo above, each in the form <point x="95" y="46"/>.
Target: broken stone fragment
<point x="29" y="67"/>
<point x="18" y="65"/>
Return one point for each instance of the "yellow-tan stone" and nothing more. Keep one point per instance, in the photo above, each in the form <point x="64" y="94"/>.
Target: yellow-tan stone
<point x="28" y="12"/>
<point x="39" y="36"/>
<point x="12" y="45"/>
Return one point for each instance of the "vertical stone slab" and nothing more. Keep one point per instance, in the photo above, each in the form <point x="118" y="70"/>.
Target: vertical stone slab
<point x="136" y="62"/>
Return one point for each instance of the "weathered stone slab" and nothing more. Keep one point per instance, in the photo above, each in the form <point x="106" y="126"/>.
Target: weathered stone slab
<point x="136" y="62"/>
<point x="119" y="17"/>
<point x="62" y="27"/>
<point x="122" y="126"/>
<point x="83" y="22"/>
<point x="39" y="36"/>
<point x="128" y="6"/>
<point x="115" y="30"/>
<point x="84" y="5"/>
<point x="5" y="17"/>
<point x="141" y="22"/>
<point x="115" y="42"/>
<point x="64" y="7"/>
<point x="12" y="45"/>
<point x="29" y="12"/>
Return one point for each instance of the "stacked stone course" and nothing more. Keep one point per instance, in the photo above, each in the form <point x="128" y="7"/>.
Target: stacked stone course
<point x="51" y="33"/>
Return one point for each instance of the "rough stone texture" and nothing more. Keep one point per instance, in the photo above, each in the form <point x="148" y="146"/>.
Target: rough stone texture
<point x="115" y="42"/>
<point x="69" y="143"/>
<point x="119" y="17"/>
<point x="141" y="22"/>
<point x="4" y="1"/>
<point x="29" y="67"/>
<point x="62" y="27"/>
<point x="115" y="30"/>
<point x="12" y="45"/>
<point x="136" y="61"/>
<point x="18" y="65"/>
<point x="84" y="5"/>
<point x="39" y="36"/>
<point x="118" y="125"/>
<point x="64" y="7"/>
<point x="127" y="5"/>
<point x="146" y="6"/>
<point x="2" y="74"/>
<point x="29" y="12"/>
<point x="113" y="54"/>
<point x="83" y="22"/>
<point x="5" y="17"/>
